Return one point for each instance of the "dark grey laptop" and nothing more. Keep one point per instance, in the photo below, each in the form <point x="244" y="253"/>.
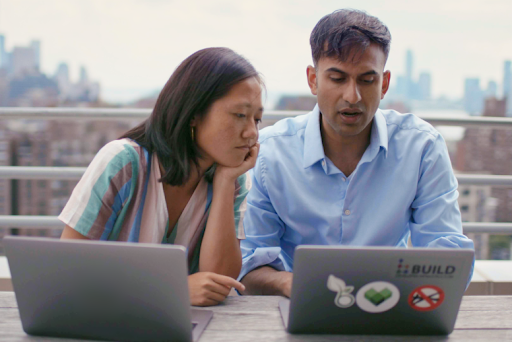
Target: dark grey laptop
<point x="376" y="290"/>
<point x="103" y="290"/>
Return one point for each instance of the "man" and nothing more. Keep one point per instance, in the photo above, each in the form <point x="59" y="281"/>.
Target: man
<point x="347" y="173"/>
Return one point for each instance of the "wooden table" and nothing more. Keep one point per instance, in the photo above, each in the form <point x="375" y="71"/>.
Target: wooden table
<point x="257" y="318"/>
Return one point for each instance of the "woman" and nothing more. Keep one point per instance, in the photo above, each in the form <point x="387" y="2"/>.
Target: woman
<point x="180" y="176"/>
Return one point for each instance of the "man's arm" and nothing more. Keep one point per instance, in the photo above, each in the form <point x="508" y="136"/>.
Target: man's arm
<point x="436" y="220"/>
<point x="262" y="246"/>
<point x="268" y="281"/>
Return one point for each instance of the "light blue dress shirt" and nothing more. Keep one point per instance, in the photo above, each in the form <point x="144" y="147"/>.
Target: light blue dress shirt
<point x="403" y="186"/>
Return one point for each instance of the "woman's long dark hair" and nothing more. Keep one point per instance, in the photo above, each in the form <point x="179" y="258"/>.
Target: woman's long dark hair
<point x="199" y="80"/>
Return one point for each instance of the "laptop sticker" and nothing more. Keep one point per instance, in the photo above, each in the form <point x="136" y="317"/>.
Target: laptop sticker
<point x="376" y="297"/>
<point x="413" y="268"/>
<point x="344" y="298"/>
<point x="426" y="298"/>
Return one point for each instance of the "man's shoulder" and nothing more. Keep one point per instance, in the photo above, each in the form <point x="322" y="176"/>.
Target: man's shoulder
<point x="408" y="123"/>
<point x="289" y="127"/>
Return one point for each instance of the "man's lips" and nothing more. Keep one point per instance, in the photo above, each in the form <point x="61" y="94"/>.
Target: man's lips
<point x="350" y="111"/>
<point x="350" y="116"/>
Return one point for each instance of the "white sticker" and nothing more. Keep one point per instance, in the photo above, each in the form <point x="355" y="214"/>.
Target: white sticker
<point x="378" y="296"/>
<point x="344" y="298"/>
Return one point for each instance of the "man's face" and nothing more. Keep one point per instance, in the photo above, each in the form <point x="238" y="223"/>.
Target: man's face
<point x="349" y="93"/>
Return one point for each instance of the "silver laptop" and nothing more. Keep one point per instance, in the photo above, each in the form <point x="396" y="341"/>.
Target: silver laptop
<point x="103" y="290"/>
<point x="376" y="290"/>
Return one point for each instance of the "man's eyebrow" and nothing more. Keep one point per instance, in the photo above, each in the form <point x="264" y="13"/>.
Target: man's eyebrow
<point x="333" y="69"/>
<point x="368" y="73"/>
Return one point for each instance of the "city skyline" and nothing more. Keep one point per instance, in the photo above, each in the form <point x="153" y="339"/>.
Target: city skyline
<point x="137" y="45"/>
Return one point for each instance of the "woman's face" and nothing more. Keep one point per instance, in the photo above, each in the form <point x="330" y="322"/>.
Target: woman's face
<point x="227" y="131"/>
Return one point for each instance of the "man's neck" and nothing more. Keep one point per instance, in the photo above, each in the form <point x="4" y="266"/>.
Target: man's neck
<point x="345" y="151"/>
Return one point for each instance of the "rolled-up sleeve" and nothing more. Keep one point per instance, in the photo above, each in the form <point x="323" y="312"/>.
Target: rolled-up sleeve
<point x="263" y="227"/>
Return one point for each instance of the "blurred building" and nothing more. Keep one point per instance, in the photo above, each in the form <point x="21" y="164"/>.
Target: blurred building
<point x="424" y="86"/>
<point x="477" y="205"/>
<point x="5" y="184"/>
<point x="486" y="151"/>
<point x="409" y="83"/>
<point x="507" y="85"/>
<point x="297" y="102"/>
<point x="51" y="143"/>
<point x="473" y="96"/>
<point x="492" y="89"/>
<point x="409" y="89"/>
<point x="3" y="53"/>
<point x="24" y="61"/>
<point x="82" y="91"/>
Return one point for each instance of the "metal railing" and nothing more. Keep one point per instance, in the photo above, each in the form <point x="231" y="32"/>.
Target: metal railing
<point x="74" y="173"/>
<point x="140" y="114"/>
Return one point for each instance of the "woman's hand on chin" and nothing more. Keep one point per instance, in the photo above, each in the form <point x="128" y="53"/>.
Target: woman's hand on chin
<point x="208" y="288"/>
<point x="230" y="174"/>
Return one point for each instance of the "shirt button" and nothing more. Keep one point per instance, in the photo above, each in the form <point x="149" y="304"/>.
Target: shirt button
<point x="347" y="212"/>
<point x="323" y="162"/>
<point x="344" y="179"/>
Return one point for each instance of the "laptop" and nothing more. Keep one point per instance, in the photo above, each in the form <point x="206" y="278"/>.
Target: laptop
<point x="103" y="290"/>
<point x="376" y="290"/>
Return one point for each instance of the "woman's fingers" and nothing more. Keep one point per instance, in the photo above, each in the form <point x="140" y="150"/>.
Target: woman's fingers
<point x="207" y="288"/>
<point x="250" y="159"/>
<point x="227" y="282"/>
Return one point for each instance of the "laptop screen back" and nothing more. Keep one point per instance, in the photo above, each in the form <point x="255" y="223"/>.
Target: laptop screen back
<point x="377" y="290"/>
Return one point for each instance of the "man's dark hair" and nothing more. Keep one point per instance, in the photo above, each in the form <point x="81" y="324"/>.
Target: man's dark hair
<point x="348" y="32"/>
<point x="200" y="80"/>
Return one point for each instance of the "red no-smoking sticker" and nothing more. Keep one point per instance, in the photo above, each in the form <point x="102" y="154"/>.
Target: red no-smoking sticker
<point x="426" y="298"/>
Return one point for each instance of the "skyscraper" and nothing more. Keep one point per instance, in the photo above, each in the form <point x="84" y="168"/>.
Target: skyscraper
<point x="23" y="60"/>
<point x="62" y="78"/>
<point x="424" y="86"/>
<point x="3" y="58"/>
<point x="408" y="74"/>
<point x="473" y="96"/>
<point x="507" y="85"/>
<point x="36" y="46"/>
<point x="83" y="75"/>
<point x="492" y="89"/>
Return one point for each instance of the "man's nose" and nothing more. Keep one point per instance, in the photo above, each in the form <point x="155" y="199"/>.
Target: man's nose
<point x="351" y="93"/>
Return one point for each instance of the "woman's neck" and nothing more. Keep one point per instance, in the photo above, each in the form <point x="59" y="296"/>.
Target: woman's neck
<point x="195" y="175"/>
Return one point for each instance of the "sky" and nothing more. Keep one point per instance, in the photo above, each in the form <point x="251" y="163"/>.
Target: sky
<point x="133" y="46"/>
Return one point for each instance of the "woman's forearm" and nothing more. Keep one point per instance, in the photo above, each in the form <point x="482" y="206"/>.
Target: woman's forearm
<point x="220" y="249"/>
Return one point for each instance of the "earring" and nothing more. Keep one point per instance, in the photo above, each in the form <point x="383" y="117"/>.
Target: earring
<point x="192" y="133"/>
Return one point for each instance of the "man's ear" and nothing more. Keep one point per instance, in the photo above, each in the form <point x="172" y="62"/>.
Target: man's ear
<point x="386" y="79"/>
<point x="311" y="73"/>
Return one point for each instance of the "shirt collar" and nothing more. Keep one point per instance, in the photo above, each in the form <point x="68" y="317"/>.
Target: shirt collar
<point x="379" y="135"/>
<point x="314" y="149"/>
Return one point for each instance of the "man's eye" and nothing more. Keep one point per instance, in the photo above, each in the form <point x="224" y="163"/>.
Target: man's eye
<point x="240" y="115"/>
<point x="368" y="80"/>
<point x="258" y="121"/>
<point x="336" y="79"/>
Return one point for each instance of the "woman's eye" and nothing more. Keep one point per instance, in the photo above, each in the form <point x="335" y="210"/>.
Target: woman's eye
<point x="240" y="115"/>
<point x="258" y="121"/>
